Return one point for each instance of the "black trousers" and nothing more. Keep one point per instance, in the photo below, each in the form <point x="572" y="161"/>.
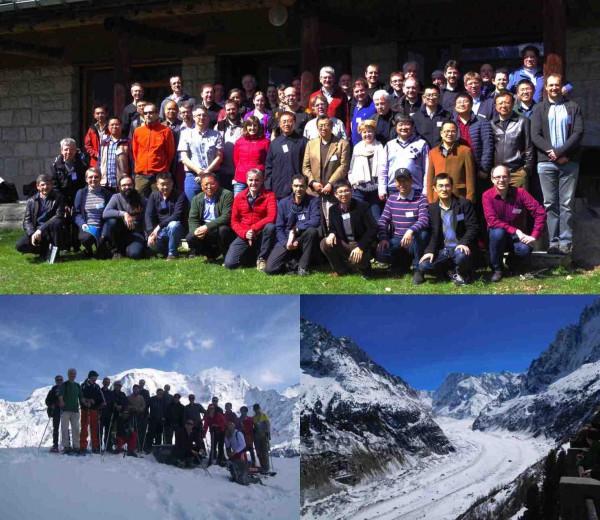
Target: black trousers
<point x="241" y="252"/>
<point x="215" y="243"/>
<point x="154" y="435"/>
<point x="339" y="255"/>
<point x="55" y="427"/>
<point x="307" y="241"/>
<point x="51" y="234"/>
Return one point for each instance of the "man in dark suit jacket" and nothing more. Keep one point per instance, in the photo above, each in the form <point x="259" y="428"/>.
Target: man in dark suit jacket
<point x="453" y="234"/>
<point x="351" y="231"/>
<point x="210" y="220"/>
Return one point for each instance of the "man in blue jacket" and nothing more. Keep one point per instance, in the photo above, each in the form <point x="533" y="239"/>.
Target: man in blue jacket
<point x="297" y="229"/>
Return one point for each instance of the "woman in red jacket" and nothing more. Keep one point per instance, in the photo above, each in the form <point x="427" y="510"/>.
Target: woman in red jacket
<point x="250" y="151"/>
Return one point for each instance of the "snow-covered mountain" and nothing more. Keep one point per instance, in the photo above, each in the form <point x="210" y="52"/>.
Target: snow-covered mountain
<point x="356" y="418"/>
<point x="22" y="423"/>
<point x="561" y="388"/>
<point x="465" y="395"/>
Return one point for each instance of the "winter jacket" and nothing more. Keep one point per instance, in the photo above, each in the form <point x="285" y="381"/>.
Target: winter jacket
<point x="91" y="142"/>
<point x="386" y="128"/>
<point x="153" y="148"/>
<point x="175" y="414"/>
<point x="301" y="216"/>
<point x="79" y="213"/>
<point x="480" y="131"/>
<point x="91" y="392"/>
<point x="216" y="423"/>
<point x="284" y="160"/>
<point x="359" y="114"/>
<point x="192" y="412"/>
<point x="186" y="442"/>
<point x="69" y="183"/>
<point x="429" y="127"/>
<point x="109" y="400"/>
<point x="122" y="166"/>
<point x="538" y="81"/>
<point x="223" y="205"/>
<point x="466" y="224"/>
<point x="119" y="399"/>
<point x="32" y="212"/>
<point x="235" y="442"/>
<point x="230" y="417"/>
<point x="158" y="410"/>
<point x="513" y="146"/>
<point x="52" y="399"/>
<point x="161" y="213"/>
<point x="363" y="223"/>
<point x="262" y="426"/>
<point x="246" y="426"/>
<point x="245" y="217"/>
<point x="249" y="153"/>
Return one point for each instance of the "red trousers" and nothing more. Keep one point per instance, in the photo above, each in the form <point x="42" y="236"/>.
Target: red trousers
<point x="93" y="420"/>
<point x="131" y="442"/>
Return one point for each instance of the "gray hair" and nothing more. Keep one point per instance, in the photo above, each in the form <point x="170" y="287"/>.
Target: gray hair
<point x="327" y="70"/>
<point x="72" y="370"/>
<point x="255" y="171"/>
<point x="68" y="141"/>
<point x="382" y="93"/>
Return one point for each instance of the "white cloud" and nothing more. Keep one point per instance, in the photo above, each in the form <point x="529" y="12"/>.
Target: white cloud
<point x="12" y="336"/>
<point x="270" y="378"/>
<point x="189" y="341"/>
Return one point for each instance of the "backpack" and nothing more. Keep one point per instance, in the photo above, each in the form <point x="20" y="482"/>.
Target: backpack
<point x="240" y="474"/>
<point x="8" y="193"/>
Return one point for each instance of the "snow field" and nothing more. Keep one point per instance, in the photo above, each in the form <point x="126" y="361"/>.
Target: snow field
<point x="40" y="486"/>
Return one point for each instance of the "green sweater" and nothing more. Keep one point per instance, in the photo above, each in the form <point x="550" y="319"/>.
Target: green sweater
<point x="71" y="394"/>
<point x="223" y="204"/>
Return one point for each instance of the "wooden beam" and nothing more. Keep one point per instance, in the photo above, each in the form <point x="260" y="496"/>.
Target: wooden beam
<point x="55" y="54"/>
<point x="310" y="61"/>
<point x="555" y="36"/>
<point x="75" y="15"/>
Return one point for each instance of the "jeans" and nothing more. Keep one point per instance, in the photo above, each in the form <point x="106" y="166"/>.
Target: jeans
<point x="447" y="259"/>
<point x="238" y="187"/>
<point x="400" y="257"/>
<point x="169" y="238"/>
<point x="371" y="198"/>
<point x="263" y="242"/>
<point x="145" y="183"/>
<point x="502" y="241"/>
<point x="558" y="182"/>
<point x="190" y="186"/>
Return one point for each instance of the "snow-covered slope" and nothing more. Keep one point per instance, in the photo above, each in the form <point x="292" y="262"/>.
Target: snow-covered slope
<point x="465" y="395"/>
<point x="41" y="486"/>
<point x="356" y="417"/>
<point x="560" y="390"/>
<point x="22" y="423"/>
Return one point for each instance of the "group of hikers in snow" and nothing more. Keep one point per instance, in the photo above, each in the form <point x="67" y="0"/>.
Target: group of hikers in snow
<point x="138" y="421"/>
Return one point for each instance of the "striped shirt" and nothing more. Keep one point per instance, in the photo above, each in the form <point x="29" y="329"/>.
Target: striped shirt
<point x="94" y="207"/>
<point x="403" y="214"/>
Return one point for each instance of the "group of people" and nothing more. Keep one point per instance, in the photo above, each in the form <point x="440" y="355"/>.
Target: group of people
<point x="118" y="423"/>
<point x="410" y="176"/>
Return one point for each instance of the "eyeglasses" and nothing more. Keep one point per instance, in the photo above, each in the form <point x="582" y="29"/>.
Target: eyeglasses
<point x="501" y="178"/>
<point x="58" y="380"/>
<point x="127" y="185"/>
<point x="431" y="96"/>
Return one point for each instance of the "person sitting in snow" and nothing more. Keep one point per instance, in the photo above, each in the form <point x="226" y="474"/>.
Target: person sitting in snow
<point x="235" y="444"/>
<point x="189" y="446"/>
<point x="126" y="434"/>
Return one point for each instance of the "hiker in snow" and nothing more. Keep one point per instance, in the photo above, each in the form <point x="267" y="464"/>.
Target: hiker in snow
<point x="68" y="400"/>
<point x="235" y="443"/>
<point x="174" y="416"/>
<point x="215" y="402"/>
<point x="137" y="405"/>
<point x="90" y="404"/>
<point x="230" y="415"/>
<point x="262" y="437"/>
<point x="106" y="410"/>
<point x="215" y="421"/>
<point x="167" y="397"/>
<point x="126" y="433"/>
<point x="54" y="411"/>
<point x="193" y="410"/>
<point x="246" y="426"/>
<point x="189" y="446"/>
<point x="143" y="425"/>
<point x="156" y="421"/>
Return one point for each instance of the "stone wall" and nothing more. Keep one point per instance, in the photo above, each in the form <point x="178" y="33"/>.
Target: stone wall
<point x="583" y="71"/>
<point x="38" y="108"/>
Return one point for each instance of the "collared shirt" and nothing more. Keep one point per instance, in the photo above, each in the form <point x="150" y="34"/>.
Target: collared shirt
<point x="209" y="213"/>
<point x="558" y="119"/>
<point x="202" y="147"/>
<point x="111" y="163"/>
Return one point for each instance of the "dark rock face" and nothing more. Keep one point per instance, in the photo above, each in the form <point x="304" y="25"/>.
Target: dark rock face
<point x="356" y="418"/>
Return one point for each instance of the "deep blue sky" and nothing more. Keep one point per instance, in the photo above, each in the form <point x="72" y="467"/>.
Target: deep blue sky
<point x="424" y="338"/>
<point x="41" y="336"/>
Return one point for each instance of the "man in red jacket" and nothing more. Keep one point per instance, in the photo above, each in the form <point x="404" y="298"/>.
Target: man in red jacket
<point x="253" y="220"/>
<point x="215" y="421"/>
<point x="96" y="133"/>
<point x="153" y="147"/>
<point x="337" y="99"/>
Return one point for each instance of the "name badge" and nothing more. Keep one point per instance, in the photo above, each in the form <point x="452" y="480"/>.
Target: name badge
<point x="285" y="148"/>
<point x="460" y="216"/>
<point x="439" y="123"/>
<point x="333" y="158"/>
<point x="100" y="206"/>
<point x="74" y="176"/>
<point x="301" y="216"/>
<point x="345" y="216"/>
<point x="163" y="204"/>
<point x="517" y="211"/>
<point x="410" y="213"/>
<point x="358" y="119"/>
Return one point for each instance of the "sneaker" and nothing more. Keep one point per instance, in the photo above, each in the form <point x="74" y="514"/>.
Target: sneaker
<point x="553" y="250"/>
<point x="496" y="276"/>
<point x="565" y="250"/>
<point x="261" y="264"/>
<point x="302" y="272"/>
<point x="54" y="449"/>
<point x="418" y="278"/>
<point x="171" y="257"/>
<point x="459" y="280"/>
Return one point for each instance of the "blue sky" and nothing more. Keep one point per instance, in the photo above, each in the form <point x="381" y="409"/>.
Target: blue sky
<point x="424" y="338"/>
<point x="41" y="336"/>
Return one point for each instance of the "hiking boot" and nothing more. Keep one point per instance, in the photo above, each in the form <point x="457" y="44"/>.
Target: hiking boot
<point x="496" y="276"/>
<point x="54" y="449"/>
<point x="261" y="264"/>
<point x="302" y="272"/>
<point x="68" y="450"/>
<point x="459" y="280"/>
<point x="418" y="278"/>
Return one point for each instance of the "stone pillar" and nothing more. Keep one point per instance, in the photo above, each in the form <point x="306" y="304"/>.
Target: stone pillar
<point x="555" y="36"/>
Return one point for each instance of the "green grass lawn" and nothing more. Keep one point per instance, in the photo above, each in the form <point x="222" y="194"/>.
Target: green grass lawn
<point x="23" y="274"/>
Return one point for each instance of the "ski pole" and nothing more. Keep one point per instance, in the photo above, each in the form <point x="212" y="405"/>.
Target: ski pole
<point x="108" y="434"/>
<point x="44" y="434"/>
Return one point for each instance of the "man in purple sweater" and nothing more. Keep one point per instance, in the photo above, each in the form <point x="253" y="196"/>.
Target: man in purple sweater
<point x="505" y="208"/>
<point x="403" y="229"/>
